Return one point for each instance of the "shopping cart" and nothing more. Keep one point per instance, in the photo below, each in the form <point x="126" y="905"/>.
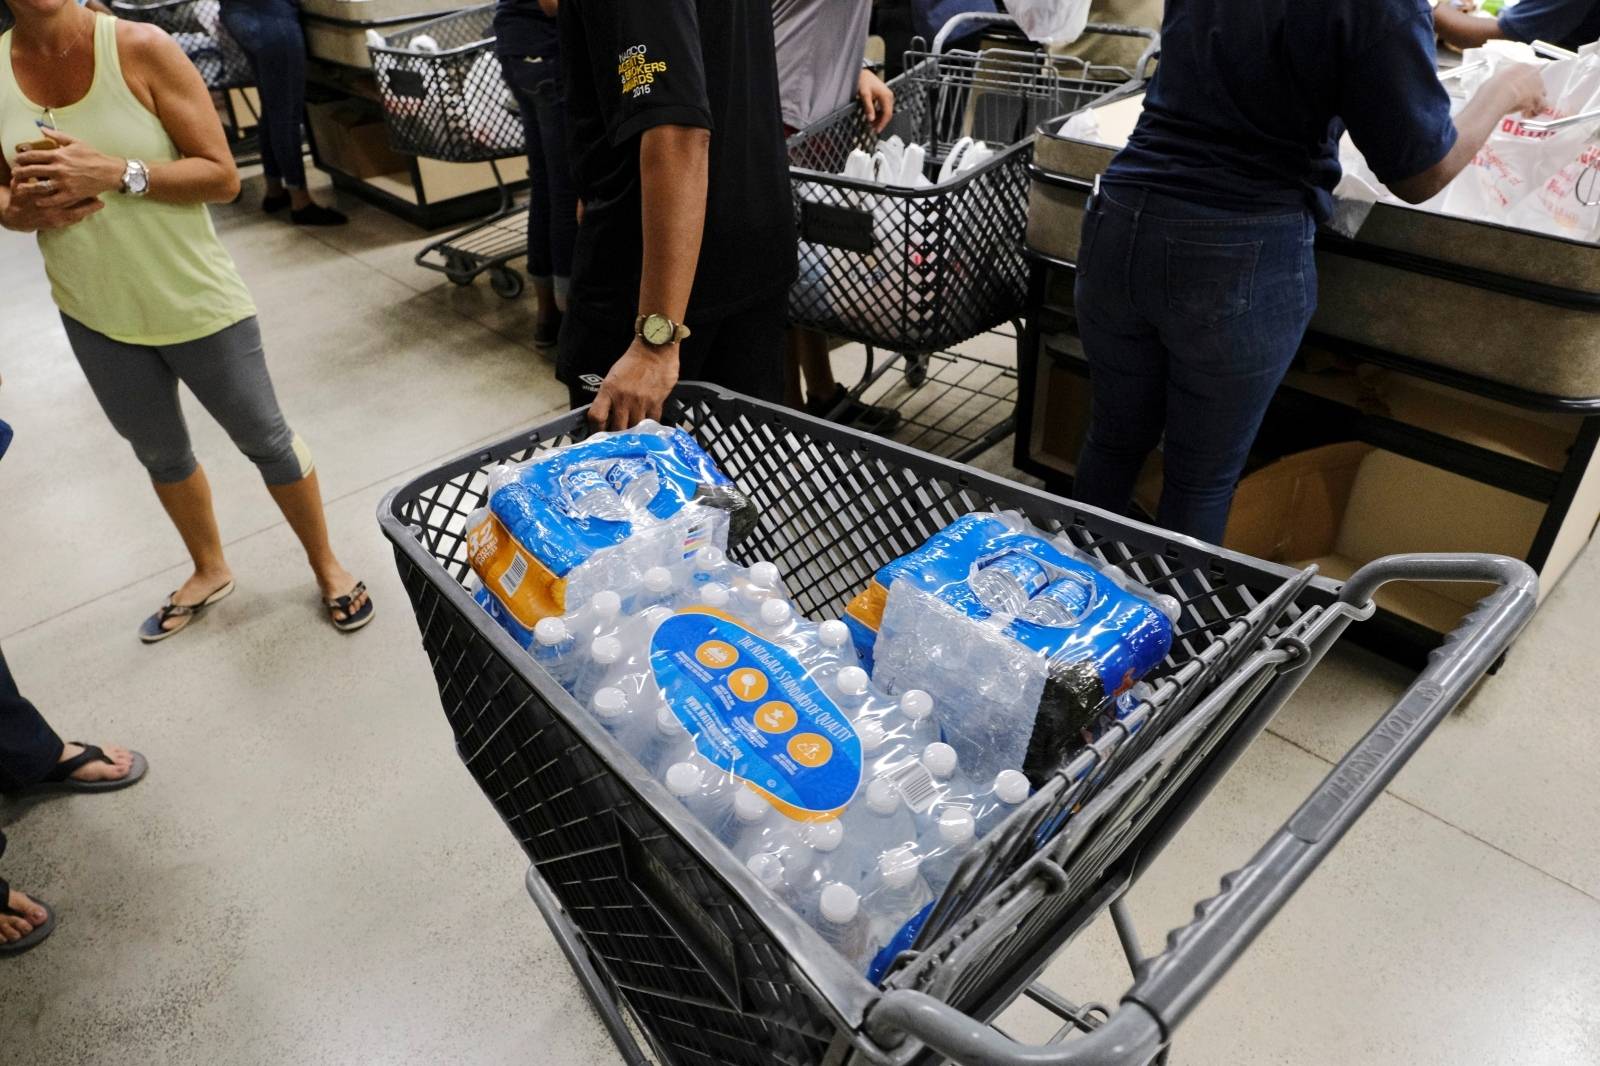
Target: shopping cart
<point x="197" y="27"/>
<point x="663" y="924"/>
<point x="452" y="104"/>
<point x="917" y="271"/>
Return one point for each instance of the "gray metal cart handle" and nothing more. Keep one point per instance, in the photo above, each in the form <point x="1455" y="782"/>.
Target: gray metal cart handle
<point x="1172" y="984"/>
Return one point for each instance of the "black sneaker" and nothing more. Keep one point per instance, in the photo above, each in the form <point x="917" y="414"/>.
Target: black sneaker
<point x="547" y="332"/>
<point x="273" y="204"/>
<point x="865" y="416"/>
<point x="317" y="215"/>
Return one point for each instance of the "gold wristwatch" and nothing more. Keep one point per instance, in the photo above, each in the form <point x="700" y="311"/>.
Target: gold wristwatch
<point x="659" y="330"/>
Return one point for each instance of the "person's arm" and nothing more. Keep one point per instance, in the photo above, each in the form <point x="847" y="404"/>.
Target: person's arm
<point x="1515" y="88"/>
<point x="1459" y="29"/>
<point x="674" y="163"/>
<point x="22" y="214"/>
<point x="166" y="82"/>
<point x="877" y="99"/>
<point x="549" y="7"/>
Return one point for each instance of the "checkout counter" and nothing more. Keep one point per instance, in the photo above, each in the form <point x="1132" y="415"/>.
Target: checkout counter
<point x="1447" y="396"/>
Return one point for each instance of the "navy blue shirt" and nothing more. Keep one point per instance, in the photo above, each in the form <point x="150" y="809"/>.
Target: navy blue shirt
<point x="522" y="29"/>
<point x="1250" y="99"/>
<point x="1569" y="23"/>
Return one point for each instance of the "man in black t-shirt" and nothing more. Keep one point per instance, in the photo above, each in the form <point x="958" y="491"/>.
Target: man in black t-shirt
<point x="687" y="246"/>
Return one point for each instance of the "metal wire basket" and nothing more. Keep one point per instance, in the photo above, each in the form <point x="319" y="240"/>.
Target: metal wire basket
<point x="196" y="25"/>
<point x="451" y="104"/>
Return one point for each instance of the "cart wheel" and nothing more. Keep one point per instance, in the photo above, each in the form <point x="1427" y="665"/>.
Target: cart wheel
<point x="459" y="271"/>
<point x="916" y="370"/>
<point x="506" y="283"/>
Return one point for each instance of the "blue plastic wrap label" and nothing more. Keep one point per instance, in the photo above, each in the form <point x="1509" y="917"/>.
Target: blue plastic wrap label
<point x="754" y="713"/>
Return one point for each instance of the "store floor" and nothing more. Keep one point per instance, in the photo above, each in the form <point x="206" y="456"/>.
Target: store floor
<point x="309" y="876"/>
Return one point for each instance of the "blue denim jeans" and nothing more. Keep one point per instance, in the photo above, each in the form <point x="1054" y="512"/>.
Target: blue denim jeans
<point x="535" y="81"/>
<point x="270" y="34"/>
<point x="1189" y="316"/>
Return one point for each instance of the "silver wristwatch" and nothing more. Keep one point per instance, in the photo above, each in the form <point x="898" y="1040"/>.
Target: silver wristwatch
<point x="135" y="178"/>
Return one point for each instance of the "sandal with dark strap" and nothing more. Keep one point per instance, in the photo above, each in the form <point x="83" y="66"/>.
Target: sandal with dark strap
<point x="154" y="630"/>
<point x="60" y="778"/>
<point x="354" y="618"/>
<point x="34" y="938"/>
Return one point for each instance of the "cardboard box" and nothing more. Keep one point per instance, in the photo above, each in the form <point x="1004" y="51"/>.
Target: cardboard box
<point x="352" y="139"/>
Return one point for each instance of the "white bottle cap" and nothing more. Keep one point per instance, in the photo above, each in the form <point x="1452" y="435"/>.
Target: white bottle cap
<point x="749" y="806"/>
<point x="710" y="555"/>
<point x="840" y="904"/>
<point x="882" y="798"/>
<point x="1011" y="786"/>
<point x="768" y="869"/>
<point x="714" y="594"/>
<point x="852" y="681"/>
<point x="956" y="825"/>
<point x="833" y="633"/>
<point x="658" y="579"/>
<point x="1169" y="606"/>
<point x="764" y="574"/>
<point x="550" y="631"/>
<point x="899" y="867"/>
<point x="609" y="702"/>
<point x="871" y="734"/>
<point x="656" y="614"/>
<point x="824" y="836"/>
<point x="605" y="650"/>
<point x="667" y="723"/>
<point x="940" y="759"/>
<point x="776" y="613"/>
<point x="606" y="604"/>
<point x="916" y="703"/>
<point x="683" y="779"/>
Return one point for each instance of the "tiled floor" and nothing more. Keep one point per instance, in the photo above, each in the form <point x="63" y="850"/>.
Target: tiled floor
<point x="308" y="876"/>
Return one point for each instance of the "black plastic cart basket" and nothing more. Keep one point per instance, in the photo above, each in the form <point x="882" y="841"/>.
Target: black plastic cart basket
<point x="917" y="271"/>
<point x="663" y="924"/>
<point x="453" y="105"/>
<point x="197" y="27"/>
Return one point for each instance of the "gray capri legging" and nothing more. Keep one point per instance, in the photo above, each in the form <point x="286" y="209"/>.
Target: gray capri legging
<point x="137" y="386"/>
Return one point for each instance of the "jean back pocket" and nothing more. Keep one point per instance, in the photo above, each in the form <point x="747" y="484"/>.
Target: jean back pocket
<point x="1210" y="283"/>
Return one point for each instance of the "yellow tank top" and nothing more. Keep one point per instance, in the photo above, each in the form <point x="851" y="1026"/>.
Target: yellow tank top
<point x="138" y="271"/>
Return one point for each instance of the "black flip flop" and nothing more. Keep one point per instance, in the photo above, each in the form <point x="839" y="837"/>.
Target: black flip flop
<point x="39" y="933"/>
<point x="153" y="630"/>
<point x="60" y="778"/>
<point x="353" y="619"/>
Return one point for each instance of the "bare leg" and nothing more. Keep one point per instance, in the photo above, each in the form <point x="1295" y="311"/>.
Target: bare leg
<point x="301" y="504"/>
<point x="188" y="504"/>
<point x="811" y="349"/>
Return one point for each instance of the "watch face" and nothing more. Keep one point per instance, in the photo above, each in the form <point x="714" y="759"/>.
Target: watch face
<point x="657" y="329"/>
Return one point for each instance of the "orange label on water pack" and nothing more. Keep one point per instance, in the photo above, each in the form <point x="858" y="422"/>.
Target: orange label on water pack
<point x="867" y="607"/>
<point x="523" y="585"/>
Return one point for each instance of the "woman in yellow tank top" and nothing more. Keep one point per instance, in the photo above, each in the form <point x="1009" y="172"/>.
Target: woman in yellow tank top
<point x="110" y="149"/>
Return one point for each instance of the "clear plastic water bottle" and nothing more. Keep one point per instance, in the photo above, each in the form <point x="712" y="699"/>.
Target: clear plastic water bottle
<point x="1007" y="583"/>
<point x="953" y="836"/>
<point x="776" y="617"/>
<point x="850" y="687"/>
<point x="658" y="586"/>
<point x="895" y="892"/>
<point x="769" y="870"/>
<point x="667" y="744"/>
<point x="610" y="706"/>
<point x="876" y="823"/>
<point x="1063" y="602"/>
<point x="844" y="925"/>
<point x="942" y="762"/>
<point x="749" y="828"/>
<point x="597" y="618"/>
<point x="917" y="706"/>
<point x="604" y="653"/>
<point x="554" y="649"/>
<point x="812" y="862"/>
<point x="833" y="636"/>
<point x="635" y="480"/>
<point x="702" y="788"/>
<point x="992" y="807"/>
<point x="716" y="594"/>
<point x="593" y="497"/>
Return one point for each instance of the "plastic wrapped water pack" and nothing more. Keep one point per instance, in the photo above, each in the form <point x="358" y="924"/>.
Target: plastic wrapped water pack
<point x="1020" y="639"/>
<point x="595" y="516"/>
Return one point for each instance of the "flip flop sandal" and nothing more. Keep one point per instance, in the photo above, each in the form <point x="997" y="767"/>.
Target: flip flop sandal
<point x="60" y="778"/>
<point x="353" y="619"/>
<point x="153" y="631"/>
<point x="33" y="939"/>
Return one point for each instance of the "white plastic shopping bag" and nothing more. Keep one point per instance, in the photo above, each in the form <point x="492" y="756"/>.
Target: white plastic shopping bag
<point x="1050" y="21"/>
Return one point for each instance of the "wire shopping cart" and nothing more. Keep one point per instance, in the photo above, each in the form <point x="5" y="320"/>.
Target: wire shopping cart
<point x="918" y="271"/>
<point x="452" y="104"/>
<point x="664" y="925"/>
<point x="197" y="27"/>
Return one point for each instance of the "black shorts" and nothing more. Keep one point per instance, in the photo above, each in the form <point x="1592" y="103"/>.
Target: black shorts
<point x="742" y="351"/>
